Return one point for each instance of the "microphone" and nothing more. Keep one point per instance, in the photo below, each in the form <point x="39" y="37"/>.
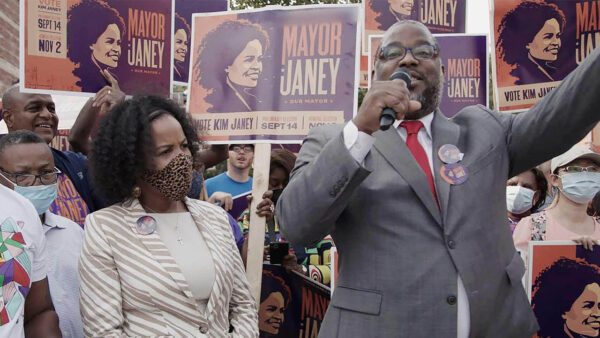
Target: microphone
<point x="388" y="115"/>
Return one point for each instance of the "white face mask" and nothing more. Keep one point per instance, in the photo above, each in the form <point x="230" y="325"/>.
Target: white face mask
<point x="519" y="199"/>
<point x="580" y="187"/>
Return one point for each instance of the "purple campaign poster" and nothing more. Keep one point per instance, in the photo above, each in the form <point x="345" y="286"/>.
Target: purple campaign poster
<point x="465" y="60"/>
<point x="538" y="43"/>
<point x="445" y="16"/>
<point x="182" y="33"/>
<point x="291" y="304"/>
<point x="67" y="45"/>
<point x="269" y="75"/>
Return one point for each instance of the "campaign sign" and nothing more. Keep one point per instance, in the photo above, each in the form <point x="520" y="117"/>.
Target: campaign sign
<point x="291" y="305"/>
<point x="564" y="288"/>
<point x="446" y="16"/>
<point x="538" y="43"/>
<point x="69" y="45"/>
<point x="269" y="75"/>
<point x="182" y="33"/>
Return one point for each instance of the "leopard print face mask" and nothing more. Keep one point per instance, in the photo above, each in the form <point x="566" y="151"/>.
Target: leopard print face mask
<point x="174" y="180"/>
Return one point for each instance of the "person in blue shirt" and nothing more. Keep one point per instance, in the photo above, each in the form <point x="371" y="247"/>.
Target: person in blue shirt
<point x="236" y="180"/>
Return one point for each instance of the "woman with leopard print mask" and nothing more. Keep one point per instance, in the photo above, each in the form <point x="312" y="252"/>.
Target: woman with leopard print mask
<point x="157" y="263"/>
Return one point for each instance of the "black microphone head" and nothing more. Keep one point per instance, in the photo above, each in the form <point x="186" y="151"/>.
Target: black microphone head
<point x="401" y="74"/>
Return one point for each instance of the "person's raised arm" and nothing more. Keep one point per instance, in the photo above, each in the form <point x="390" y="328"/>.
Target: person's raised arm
<point x="105" y="99"/>
<point x="40" y="319"/>
<point x="561" y="119"/>
<point x="214" y="155"/>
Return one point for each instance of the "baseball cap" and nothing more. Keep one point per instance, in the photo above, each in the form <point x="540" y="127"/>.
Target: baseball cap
<point x="578" y="151"/>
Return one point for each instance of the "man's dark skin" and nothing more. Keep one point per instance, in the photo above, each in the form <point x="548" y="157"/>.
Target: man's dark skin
<point x="35" y="112"/>
<point x="105" y="99"/>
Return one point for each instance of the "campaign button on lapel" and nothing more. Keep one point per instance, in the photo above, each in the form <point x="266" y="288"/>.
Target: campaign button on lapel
<point x="146" y="225"/>
<point x="454" y="173"/>
<point x="449" y="153"/>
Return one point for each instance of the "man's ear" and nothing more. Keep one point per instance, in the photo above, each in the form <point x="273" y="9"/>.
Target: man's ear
<point x="8" y="118"/>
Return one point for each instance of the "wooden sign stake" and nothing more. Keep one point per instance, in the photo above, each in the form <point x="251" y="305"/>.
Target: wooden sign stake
<point x="256" y="235"/>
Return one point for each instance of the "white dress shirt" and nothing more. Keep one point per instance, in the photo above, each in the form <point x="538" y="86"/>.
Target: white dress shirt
<point x="359" y="144"/>
<point x="63" y="240"/>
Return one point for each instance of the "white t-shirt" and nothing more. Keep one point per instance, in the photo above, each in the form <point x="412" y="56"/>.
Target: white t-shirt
<point x="22" y="258"/>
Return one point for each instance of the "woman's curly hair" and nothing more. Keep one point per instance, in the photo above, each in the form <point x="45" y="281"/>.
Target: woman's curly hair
<point x="272" y="284"/>
<point x="86" y="32"/>
<point x="181" y="23"/>
<point x="555" y="290"/>
<point x="123" y="144"/>
<point x="220" y="47"/>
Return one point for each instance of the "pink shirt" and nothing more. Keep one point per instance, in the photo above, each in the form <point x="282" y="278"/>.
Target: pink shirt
<point x="554" y="232"/>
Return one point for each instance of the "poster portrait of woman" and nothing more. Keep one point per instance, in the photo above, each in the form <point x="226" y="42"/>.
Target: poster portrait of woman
<point x="230" y="65"/>
<point x="275" y="296"/>
<point x="180" y="49"/>
<point x="566" y="299"/>
<point x="530" y="39"/>
<point x="96" y="48"/>
<point x="391" y="11"/>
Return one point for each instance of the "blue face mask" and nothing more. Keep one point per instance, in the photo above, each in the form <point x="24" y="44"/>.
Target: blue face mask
<point x="580" y="187"/>
<point x="41" y="196"/>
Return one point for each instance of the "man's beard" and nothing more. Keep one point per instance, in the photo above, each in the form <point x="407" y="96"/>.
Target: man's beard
<point x="430" y="99"/>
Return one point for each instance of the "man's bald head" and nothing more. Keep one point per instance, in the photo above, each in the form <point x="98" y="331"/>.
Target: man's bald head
<point x="25" y="111"/>
<point x="8" y="99"/>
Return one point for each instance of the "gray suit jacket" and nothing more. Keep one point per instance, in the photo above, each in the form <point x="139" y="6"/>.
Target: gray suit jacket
<point x="400" y="255"/>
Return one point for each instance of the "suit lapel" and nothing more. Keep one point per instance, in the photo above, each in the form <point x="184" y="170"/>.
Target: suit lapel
<point x="443" y="131"/>
<point x="391" y="146"/>
<point x="156" y="247"/>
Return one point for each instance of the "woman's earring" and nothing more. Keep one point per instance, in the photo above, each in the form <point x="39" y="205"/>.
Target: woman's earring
<point x="137" y="192"/>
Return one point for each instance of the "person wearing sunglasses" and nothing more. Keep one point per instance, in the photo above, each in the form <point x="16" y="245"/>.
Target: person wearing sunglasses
<point x="576" y="174"/>
<point x="418" y="211"/>
<point x="27" y="167"/>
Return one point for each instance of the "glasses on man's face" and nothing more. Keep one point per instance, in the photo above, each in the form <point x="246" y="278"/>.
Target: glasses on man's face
<point x="576" y="169"/>
<point x="26" y="180"/>
<point x="239" y="149"/>
<point x="397" y="53"/>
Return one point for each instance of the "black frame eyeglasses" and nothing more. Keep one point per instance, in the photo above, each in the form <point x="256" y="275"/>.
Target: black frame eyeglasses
<point x="397" y="53"/>
<point x="239" y="149"/>
<point x="27" y="180"/>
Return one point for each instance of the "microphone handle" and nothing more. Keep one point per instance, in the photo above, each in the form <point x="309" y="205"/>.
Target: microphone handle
<point x="387" y="118"/>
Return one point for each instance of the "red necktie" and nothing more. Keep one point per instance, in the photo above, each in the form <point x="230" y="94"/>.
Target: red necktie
<point x="412" y="142"/>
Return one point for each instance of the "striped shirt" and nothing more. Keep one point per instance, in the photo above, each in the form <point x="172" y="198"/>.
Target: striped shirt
<point x="130" y="284"/>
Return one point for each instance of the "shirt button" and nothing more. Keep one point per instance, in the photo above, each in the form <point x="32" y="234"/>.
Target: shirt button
<point x="451" y="244"/>
<point x="451" y="300"/>
<point x="203" y="329"/>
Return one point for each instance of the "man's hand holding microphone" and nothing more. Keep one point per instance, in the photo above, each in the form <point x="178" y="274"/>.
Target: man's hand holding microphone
<point x="385" y="102"/>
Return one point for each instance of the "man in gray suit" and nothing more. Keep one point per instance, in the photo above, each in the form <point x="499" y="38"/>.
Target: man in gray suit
<point x="419" y="216"/>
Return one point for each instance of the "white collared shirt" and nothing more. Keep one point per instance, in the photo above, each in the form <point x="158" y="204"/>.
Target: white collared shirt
<point x="359" y="144"/>
<point x="63" y="241"/>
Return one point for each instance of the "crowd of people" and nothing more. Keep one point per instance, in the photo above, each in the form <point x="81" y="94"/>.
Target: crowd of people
<point x="124" y="237"/>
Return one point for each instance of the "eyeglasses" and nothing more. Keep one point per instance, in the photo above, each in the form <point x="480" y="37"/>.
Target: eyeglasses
<point x="27" y="180"/>
<point x="422" y="52"/>
<point x="576" y="169"/>
<point x="239" y="149"/>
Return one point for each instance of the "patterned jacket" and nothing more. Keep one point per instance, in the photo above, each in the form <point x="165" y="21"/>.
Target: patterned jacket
<point x="130" y="285"/>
